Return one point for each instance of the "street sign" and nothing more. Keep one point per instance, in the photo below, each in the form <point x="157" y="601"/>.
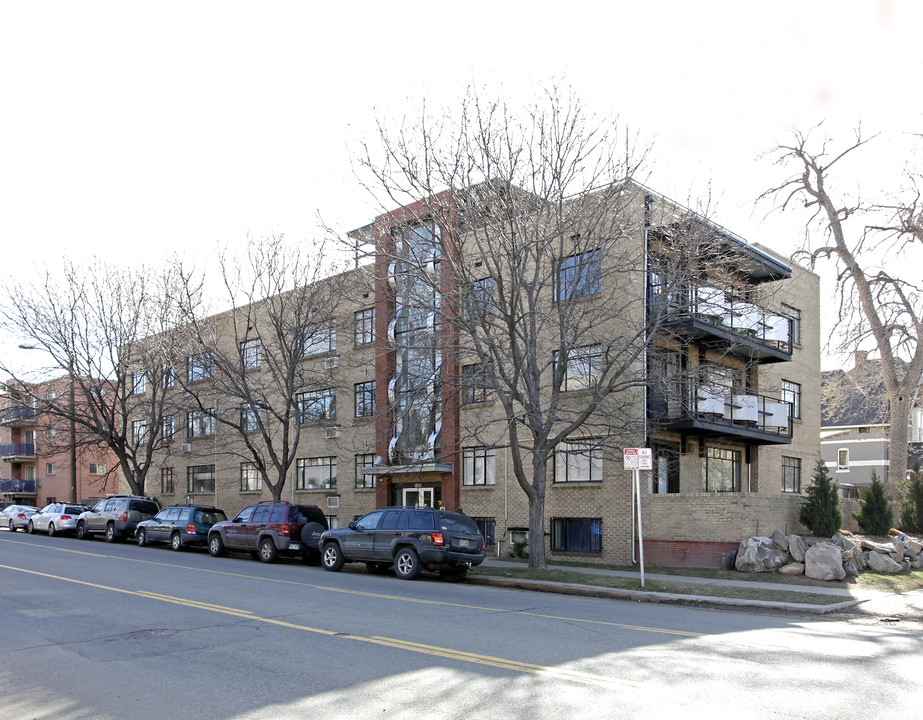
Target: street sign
<point x="638" y="459"/>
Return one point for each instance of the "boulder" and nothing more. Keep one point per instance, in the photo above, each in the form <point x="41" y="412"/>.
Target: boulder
<point x="854" y="547"/>
<point x="917" y="562"/>
<point x="797" y="547"/>
<point x="914" y="548"/>
<point x="881" y="562"/>
<point x="839" y="539"/>
<point x="847" y="555"/>
<point x="728" y="560"/>
<point x="824" y="562"/>
<point x="877" y="547"/>
<point x="849" y="567"/>
<point x="759" y="554"/>
<point x="779" y="539"/>
<point x="795" y="568"/>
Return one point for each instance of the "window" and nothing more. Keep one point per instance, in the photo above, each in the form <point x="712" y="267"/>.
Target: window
<point x="486" y="526"/>
<point x="794" y="322"/>
<point x="167" y="377"/>
<point x="478" y="466"/>
<point x="842" y="460"/>
<point x="364" y="325"/>
<point x="200" y="423"/>
<point x="722" y="470"/>
<point x="139" y="383"/>
<point x="51" y="432"/>
<point x="791" y="393"/>
<point x="475" y="384"/>
<point x="791" y="474"/>
<point x="169" y="427"/>
<point x="582" y="371"/>
<point x="332" y="521"/>
<point x="200" y="479"/>
<point x="139" y="432"/>
<point x="166" y="481"/>
<point x="315" y="473"/>
<point x="249" y="418"/>
<point x="580" y="276"/>
<point x="578" y="463"/>
<point x="251" y="354"/>
<point x="481" y="299"/>
<point x="577" y="534"/>
<point x="200" y="367"/>
<point x="50" y="469"/>
<point x="318" y="338"/>
<point x="365" y="399"/>
<point x="250" y="478"/>
<point x="364" y="479"/>
<point x="317" y="406"/>
<point x="97" y="468"/>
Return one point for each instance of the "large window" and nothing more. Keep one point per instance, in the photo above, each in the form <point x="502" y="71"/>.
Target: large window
<point x="722" y="470"/>
<point x="166" y="481"/>
<point x="319" y="338"/>
<point x="791" y="474"/>
<point x="251" y="354"/>
<point x="200" y="367"/>
<point x="794" y="322"/>
<point x="578" y="463"/>
<point x="791" y="393"/>
<point x="577" y="534"/>
<point x="168" y="378"/>
<point x="842" y="460"/>
<point x="200" y="479"/>
<point x="168" y="427"/>
<point x="476" y="385"/>
<point x="364" y="479"/>
<point x="580" y="275"/>
<point x="364" y="326"/>
<point x="480" y="303"/>
<point x="140" y="383"/>
<point x="582" y="369"/>
<point x="365" y="399"/>
<point x="316" y="473"/>
<point x="139" y="432"/>
<point x="250" y="478"/>
<point x="487" y="526"/>
<point x="249" y="418"/>
<point x="479" y="466"/>
<point x="317" y="406"/>
<point x="200" y="423"/>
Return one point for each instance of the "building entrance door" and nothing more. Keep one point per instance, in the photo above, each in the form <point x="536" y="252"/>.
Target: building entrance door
<point x="419" y="497"/>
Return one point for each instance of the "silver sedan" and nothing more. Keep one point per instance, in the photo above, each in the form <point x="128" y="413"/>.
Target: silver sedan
<point x="16" y="517"/>
<point x="56" y="518"/>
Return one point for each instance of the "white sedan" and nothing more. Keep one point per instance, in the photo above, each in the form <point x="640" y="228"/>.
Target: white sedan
<point x="16" y="517"/>
<point x="56" y="518"/>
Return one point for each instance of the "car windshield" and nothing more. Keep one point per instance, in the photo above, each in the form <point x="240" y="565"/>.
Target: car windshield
<point x="456" y="522"/>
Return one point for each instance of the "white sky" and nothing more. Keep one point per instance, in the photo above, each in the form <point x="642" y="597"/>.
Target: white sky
<point x="134" y="130"/>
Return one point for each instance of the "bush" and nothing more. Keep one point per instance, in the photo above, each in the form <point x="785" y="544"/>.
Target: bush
<point x="874" y="516"/>
<point x="820" y="512"/>
<point x="912" y="506"/>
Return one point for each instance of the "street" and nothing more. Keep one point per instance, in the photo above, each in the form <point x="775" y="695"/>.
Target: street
<point x="97" y="630"/>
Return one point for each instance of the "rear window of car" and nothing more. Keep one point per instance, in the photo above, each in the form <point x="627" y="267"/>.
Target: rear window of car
<point x="144" y="506"/>
<point x="456" y="522"/>
<point x="309" y="513"/>
<point x="420" y="520"/>
<point x="74" y="509"/>
<point x="209" y="517"/>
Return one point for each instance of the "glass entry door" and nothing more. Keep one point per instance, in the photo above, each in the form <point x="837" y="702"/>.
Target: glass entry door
<point x="419" y="497"/>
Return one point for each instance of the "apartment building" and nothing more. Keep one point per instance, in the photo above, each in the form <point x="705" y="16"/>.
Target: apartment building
<point x="394" y="407"/>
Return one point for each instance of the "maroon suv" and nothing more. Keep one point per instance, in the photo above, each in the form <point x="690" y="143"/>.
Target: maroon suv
<point x="270" y="529"/>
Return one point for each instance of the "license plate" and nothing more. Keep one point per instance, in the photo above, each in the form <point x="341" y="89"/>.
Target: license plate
<point x="294" y="546"/>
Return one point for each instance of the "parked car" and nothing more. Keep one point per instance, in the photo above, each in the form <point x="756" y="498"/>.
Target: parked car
<point x="270" y="529"/>
<point x="56" y="518"/>
<point x="409" y="540"/>
<point x="179" y="525"/>
<point x="117" y="516"/>
<point x="16" y="517"/>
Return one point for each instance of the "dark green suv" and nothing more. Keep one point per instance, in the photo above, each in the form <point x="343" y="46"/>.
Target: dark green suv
<point x="409" y="539"/>
<point x="179" y="525"/>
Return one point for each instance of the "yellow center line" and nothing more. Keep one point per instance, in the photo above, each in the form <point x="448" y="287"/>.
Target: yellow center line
<point x="377" y="596"/>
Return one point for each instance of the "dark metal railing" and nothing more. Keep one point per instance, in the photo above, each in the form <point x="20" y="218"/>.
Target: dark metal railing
<point x="17" y="412"/>
<point x="17" y="450"/>
<point x="15" y="485"/>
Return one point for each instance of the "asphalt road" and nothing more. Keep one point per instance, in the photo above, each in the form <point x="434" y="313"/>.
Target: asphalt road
<point x="96" y="630"/>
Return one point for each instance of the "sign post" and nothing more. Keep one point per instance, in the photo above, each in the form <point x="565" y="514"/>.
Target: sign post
<point x="636" y="460"/>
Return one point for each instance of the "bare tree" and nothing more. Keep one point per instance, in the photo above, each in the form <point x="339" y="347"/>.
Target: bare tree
<point x="517" y="267"/>
<point x="92" y="322"/>
<point x="248" y="370"/>
<point x="876" y="304"/>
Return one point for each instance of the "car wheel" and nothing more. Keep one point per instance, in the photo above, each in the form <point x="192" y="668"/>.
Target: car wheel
<point x="12" y="527"/>
<point x="176" y="542"/>
<point x="82" y="533"/>
<point x="51" y="530"/>
<point x="377" y="568"/>
<point x="454" y="574"/>
<point x="30" y="528"/>
<point x="216" y="546"/>
<point x="407" y="564"/>
<point x="110" y="533"/>
<point x="142" y="537"/>
<point x="268" y="552"/>
<point x="332" y="557"/>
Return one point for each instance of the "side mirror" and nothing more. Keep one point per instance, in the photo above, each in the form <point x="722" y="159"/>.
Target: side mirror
<point x="352" y="525"/>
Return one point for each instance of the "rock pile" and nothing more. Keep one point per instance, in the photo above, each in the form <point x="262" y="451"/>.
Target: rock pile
<point x="827" y="559"/>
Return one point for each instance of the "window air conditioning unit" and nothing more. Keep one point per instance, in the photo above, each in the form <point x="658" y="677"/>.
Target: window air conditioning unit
<point x="333" y="502"/>
<point x="333" y="432"/>
<point x="187" y="447"/>
<point x="332" y="362"/>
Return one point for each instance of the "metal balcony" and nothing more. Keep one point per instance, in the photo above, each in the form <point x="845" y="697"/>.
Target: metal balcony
<point x="18" y="416"/>
<point x="17" y="452"/>
<point x="15" y="486"/>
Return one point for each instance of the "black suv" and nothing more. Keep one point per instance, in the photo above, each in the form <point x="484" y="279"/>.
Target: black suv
<point x="179" y="525"/>
<point x="410" y="540"/>
<point x="117" y="516"/>
<point x="270" y="529"/>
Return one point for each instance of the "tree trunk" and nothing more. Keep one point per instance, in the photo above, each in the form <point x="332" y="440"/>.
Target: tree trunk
<point x="537" y="514"/>
<point x="897" y="445"/>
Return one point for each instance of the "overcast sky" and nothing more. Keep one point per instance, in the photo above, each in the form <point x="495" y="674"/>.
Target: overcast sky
<point x="135" y="130"/>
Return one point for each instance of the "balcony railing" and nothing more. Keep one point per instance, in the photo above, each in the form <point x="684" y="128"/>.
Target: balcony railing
<point x="713" y="409"/>
<point x="17" y="414"/>
<point x="17" y="450"/>
<point x="15" y="486"/>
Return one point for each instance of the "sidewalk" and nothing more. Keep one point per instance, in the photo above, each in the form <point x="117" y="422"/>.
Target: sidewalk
<point x="907" y="605"/>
